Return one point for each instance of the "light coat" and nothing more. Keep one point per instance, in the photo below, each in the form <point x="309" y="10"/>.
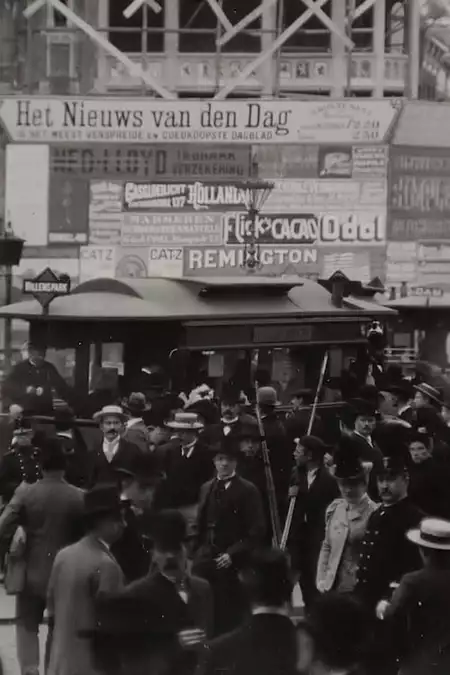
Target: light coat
<point x="81" y="573"/>
<point x="335" y="540"/>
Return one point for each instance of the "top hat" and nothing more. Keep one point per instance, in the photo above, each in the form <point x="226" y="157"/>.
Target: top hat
<point x="185" y="421"/>
<point x="267" y="396"/>
<point x="432" y="533"/>
<point x="110" y="410"/>
<point x="347" y="464"/>
<point x="230" y="394"/>
<point x="136" y="403"/>
<point x="393" y="465"/>
<point x="102" y="499"/>
<point x="361" y="407"/>
<point x="429" y="391"/>
<point x="145" y="468"/>
<point x="169" y="531"/>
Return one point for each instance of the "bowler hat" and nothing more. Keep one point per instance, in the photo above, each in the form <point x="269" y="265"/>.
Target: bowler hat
<point x="110" y="411"/>
<point x="314" y="445"/>
<point x="418" y="435"/>
<point x="362" y="408"/>
<point x="136" y="403"/>
<point x="145" y="467"/>
<point x="227" y="446"/>
<point x="429" y="391"/>
<point x="102" y="499"/>
<point x="185" y="421"/>
<point x="432" y="533"/>
<point x="170" y="530"/>
<point x="402" y="388"/>
<point x="267" y="396"/>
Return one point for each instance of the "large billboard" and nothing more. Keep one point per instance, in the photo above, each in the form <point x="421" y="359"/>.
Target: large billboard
<point x="31" y="119"/>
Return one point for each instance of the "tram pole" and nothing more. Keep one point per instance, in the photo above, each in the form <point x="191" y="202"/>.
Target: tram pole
<point x="293" y="500"/>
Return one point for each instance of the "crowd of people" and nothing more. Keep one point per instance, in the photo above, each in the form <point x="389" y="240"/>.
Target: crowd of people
<point x="153" y="548"/>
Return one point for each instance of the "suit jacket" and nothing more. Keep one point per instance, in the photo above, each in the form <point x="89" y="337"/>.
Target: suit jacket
<point x="81" y="573"/>
<point x="386" y="553"/>
<point x="408" y="415"/>
<point x="264" y="645"/>
<point x="308" y="524"/>
<point x="336" y="536"/>
<point x="239" y="525"/>
<point x="418" y="622"/>
<point x="155" y="614"/>
<point x="102" y="471"/>
<point x="139" y="435"/>
<point x="24" y="375"/>
<point x="184" y="475"/>
<point x="50" y="511"/>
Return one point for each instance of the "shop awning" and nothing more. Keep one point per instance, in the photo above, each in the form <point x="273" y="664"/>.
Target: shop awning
<point x="186" y="299"/>
<point x="423" y="124"/>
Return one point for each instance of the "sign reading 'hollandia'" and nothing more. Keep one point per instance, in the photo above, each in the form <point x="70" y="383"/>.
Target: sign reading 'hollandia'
<point x="114" y="120"/>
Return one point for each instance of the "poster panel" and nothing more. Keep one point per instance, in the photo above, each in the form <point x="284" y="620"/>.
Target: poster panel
<point x="68" y="210"/>
<point x="418" y="194"/>
<point x="196" y="196"/>
<point x="291" y="195"/>
<point x="105" y="212"/>
<point x="168" y="229"/>
<point x="151" y="162"/>
<point x="97" y="261"/>
<point x="228" y="261"/>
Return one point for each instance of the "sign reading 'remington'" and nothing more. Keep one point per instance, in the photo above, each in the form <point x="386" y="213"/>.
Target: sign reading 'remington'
<point x="117" y="120"/>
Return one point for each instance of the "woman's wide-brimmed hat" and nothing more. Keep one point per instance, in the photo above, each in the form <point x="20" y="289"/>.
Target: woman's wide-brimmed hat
<point x="432" y="533"/>
<point x="185" y="421"/>
<point x="110" y="411"/>
<point x="428" y="390"/>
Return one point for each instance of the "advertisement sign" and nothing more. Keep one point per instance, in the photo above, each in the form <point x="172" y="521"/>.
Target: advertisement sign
<point x="105" y="212"/>
<point x="68" y="210"/>
<point x="357" y="229"/>
<point x="228" y="261"/>
<point x="352" y="161"/>
<point x="190" y="197"/>
<point x="419" y="194"/>
<point x="97" y="261"/>
<point x="356" y="265"/>
<point x="285" y="161"/>
<point x="165" y="261"/>
<point x="143" y="120"/>
<point x="131" y="263"/>
<point x="150" y="162"/>
<point x="292" y="195"/>
<point x="168" y="229"/>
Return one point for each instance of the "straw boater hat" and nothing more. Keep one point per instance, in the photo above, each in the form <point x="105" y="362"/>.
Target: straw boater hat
<point x="432" y="533"/>
<point x="110" y="411"/>
<point x="428" y="390"/>
<point x="185" y="421"/>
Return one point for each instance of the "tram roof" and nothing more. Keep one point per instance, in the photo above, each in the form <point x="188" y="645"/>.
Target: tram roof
<point x="161" y="299"/>
<point x="413" y="302"/>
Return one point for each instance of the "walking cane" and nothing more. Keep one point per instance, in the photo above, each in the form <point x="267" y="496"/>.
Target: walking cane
<point x="290" y="515"/>
<point x="273" y="508"/>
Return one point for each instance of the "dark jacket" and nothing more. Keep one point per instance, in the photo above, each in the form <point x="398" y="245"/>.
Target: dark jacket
<point x="237" y="524"/>
<point x="213" y="433"/>
<point x="24" y="375"/>
<point x="428" y="487"/>
<point x="264" y="645"/>
<point x="281" y="458"/>
<point x="17" y="466"/>
<point x="77" y="457"/>
<point x="102" y="471"/>
<point x="184" y="476"/>
<point x="418" y="622"/>
<point x="386" y="554"/>
<point x="133" y="550"/>
<point x="147" y="641"/>
<point x="308" y="523"/>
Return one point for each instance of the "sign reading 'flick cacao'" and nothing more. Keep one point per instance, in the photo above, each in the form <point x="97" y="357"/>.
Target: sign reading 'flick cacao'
<point x="419" y="194"/>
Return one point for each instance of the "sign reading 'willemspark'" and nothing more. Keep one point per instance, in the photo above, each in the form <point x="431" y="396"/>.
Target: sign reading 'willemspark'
<point x="114" y="120"/>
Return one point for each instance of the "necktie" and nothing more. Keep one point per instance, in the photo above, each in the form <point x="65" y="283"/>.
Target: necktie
<point x="110" y="451"/>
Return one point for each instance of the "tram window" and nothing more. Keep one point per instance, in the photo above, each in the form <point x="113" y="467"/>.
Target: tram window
<point x="64" y="362"/>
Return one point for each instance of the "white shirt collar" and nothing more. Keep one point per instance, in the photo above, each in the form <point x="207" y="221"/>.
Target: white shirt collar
<point x="403" y="409"/>
<point x="365" y="438"/>
<point x="311" y="475"/>
<point x="190" y="449"/>
<point x="280" y="611"/>
<point x="134" y="420"/>
<point x="110" y="448"/>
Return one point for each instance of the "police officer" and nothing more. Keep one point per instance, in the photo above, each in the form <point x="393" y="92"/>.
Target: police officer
<point x="386" y="554"/>
<point x="22" y="462"/>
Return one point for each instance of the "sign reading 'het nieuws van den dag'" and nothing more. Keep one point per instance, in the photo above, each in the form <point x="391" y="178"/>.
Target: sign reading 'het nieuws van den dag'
<point x="114" y="120"/>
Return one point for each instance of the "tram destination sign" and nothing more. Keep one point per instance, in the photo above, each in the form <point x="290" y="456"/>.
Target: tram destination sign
<point x="137" y="120"/>
<point x="149" y="162"/>
<point x="46" y="287"/>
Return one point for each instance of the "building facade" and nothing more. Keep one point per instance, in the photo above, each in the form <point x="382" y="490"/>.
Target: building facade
<point x="204" y="48"/>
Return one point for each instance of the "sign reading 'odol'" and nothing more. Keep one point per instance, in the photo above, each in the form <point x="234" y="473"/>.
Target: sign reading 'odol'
<point x="107" y="120"/>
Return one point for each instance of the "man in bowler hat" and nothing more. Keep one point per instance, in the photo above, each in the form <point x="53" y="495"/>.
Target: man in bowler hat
<point x="136" y="430"/>
<point x="230" y="524"/>
<point x="81" y="574"/>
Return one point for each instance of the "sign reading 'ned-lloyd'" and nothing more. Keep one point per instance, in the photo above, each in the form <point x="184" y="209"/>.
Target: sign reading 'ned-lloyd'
<point x="355" y="228"/>
<point x="106" y="120"/>
<point x="191" y="197"/>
